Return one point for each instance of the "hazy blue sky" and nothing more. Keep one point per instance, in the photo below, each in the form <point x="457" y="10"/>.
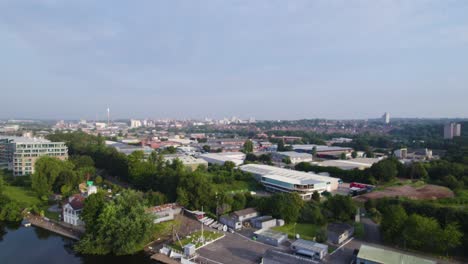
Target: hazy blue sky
<point x="268" y="59"/>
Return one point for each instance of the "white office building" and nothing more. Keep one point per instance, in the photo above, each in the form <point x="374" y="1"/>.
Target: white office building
<point x="283" y="180"/>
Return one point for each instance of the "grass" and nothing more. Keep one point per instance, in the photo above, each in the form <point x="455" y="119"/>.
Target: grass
<point x="194" y="239"/>
<point x="164" y="229"/>
<point x="359" y="230"/>
<point x="23" y="195"/>
<point x="306" y="231"/>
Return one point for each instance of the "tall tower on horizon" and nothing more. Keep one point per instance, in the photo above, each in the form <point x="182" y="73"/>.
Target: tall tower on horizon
<point x="386" y="118"/>
<point x="108" y="116"/>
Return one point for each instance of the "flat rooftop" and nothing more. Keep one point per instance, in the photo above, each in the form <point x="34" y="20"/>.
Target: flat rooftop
<point x="353" y="163"/>
<point x="309" y="245"/>
<point x="28" y="140"/>
<point x="286" y="175"/>
<point x="270" y="233"/>
<point x="320" y="148"/>
<point x="380" y="255"/>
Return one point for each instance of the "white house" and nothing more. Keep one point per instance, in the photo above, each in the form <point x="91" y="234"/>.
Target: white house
<point x="71" y="211"/>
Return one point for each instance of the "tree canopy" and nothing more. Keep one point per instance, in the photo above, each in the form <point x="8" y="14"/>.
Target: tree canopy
<point x="119" y="226"/>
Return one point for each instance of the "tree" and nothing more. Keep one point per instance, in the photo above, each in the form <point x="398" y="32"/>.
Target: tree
<point x="47" y="170"/>
<point x="98" y="180"/>
<point x="238" y="202"/>
<point x="121" y="226"/>
<point x="229" y="165"/>
<point x="340" y="208"/>
<point x="343" y="156"/>
<point x="287" y="206"/>
<point x="10" y="212"/>
<point x="384" y="170"/>
<point x="316" y="196"/>
<point x="155" y="198"/>
<point x="418" y="171"/>
<point x="393" y="222"/>
<point x="312" y="214"/>
<point x="248" y="146"/>
<point x="206" y="148"/>
<point x="195" y="191"/>
<point x="354" y="154"/>
<point x="451" y="237"/>
<point x="425" y="233"/>
<point x="2" y="184"/>
<point x="287" y="160"/>
<point x="314" y="151"/>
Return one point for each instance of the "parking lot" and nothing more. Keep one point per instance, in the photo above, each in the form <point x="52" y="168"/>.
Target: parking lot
<point x="233" y="248"/>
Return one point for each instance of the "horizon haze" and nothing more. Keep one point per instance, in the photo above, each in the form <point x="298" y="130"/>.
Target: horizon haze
<point x="263" y="59"/>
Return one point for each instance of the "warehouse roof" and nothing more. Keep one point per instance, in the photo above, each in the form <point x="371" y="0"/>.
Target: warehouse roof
<point x="320" y="148"/>
<point x="293" y="176"/>
<point x="380" y="255"/>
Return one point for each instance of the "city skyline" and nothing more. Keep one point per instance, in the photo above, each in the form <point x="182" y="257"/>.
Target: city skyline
<point x="263" y="59"/>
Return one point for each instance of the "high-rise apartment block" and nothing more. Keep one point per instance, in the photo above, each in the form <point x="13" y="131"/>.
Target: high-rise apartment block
<point x="19" y="154"/>
<point x="386" y="118"/>
<point x="452" y="130"/>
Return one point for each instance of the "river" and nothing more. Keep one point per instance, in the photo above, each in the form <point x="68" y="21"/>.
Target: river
<point x="20" y="245"/>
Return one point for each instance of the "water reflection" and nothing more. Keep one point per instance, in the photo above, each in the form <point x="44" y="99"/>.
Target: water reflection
<point x="46" y="247"/>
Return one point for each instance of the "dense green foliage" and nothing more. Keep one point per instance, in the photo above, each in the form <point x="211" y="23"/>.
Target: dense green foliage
<point x="430" y="226"/>
<point x="119" y="226"/>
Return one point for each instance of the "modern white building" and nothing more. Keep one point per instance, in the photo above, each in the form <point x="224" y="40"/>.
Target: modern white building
<point x="19" y="154"/>
<point x="220" y="158"/>
<point x="283" y="180"/>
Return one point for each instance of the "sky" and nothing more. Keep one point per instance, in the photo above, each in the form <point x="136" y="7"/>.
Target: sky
<point x="268" y="59"/>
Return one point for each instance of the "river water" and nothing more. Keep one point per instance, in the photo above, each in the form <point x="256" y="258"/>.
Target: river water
<point x="20" y="245"/>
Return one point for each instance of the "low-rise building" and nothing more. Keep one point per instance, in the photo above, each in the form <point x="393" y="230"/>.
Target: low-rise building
<point x="237" y="218"/>
<point x="165" y="212"/>
<point x="245" y="214"/>
<point x="323" y="151"/>
<point x="337" y="233"/>
<point x="272" y="256"/>
<point x="71" y="211"/>
<point x="220" y="158"/>
<point x="187" y="160"/>
<point x="351" y="164"/>
<point x="294" y="157"/>
<point x="270" y="237"/>
<point x="284" y="180"/>
<point x="374" y="255"/>
<point x="263" y="222"/>
<point x="309" y="248"/>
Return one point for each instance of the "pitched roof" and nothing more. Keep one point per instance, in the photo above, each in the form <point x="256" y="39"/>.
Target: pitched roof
<point x="77" y="202"/>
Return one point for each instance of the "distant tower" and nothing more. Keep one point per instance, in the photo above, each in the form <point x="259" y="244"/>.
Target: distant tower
<point x="452" y="130"/>
<point x="386" y="118"/>
<point x="108" y="116"/>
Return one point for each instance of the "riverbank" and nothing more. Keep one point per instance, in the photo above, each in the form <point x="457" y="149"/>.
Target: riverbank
<point x="62" y="229"/>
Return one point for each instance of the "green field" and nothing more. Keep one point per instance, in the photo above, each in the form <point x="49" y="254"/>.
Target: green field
<point x="306" y="231"/>
<point x="25" y="196"/>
